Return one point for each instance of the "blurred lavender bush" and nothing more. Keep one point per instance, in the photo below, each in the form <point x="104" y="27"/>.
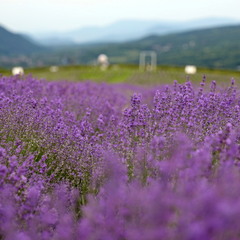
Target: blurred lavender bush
<point x="81" y="161"/>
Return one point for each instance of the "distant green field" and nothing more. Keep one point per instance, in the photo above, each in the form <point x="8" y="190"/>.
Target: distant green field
<point x="130" y="74"/>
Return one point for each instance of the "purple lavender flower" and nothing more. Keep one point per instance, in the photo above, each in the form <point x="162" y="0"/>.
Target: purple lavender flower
<point x="85" y="161"/>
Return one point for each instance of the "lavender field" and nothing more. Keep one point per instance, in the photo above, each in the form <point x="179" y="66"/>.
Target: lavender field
<point x="95" y="161"/>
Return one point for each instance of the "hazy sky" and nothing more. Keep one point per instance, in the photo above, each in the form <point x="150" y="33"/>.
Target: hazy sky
<point x="59" y="15"/>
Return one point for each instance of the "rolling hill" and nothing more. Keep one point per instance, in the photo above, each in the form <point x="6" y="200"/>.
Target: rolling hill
<point x="12" y="44"/>
<point x="216" y="47"/>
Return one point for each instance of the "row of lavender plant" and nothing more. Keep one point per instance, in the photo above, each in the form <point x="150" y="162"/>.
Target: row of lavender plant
<point x="86" y="161"/>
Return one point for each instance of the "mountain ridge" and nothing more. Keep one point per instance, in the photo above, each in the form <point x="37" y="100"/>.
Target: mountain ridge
<point x="16" y="44"/>
<point x="126" y="30"/>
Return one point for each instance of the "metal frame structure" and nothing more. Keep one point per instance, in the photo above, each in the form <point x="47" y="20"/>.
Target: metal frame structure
<point x="143" y="65"/>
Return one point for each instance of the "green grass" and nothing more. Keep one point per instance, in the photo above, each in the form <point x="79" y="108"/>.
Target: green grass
<point x="130" y="74"/>
<point x="4" y="72"/>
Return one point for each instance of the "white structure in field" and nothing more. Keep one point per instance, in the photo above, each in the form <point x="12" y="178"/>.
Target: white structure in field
<point x="190" y="69"/>
<point x="103" y="61"/>
<point x="54" y="69"/>
<point x="148" y="60"/>
<point x="17" y="71"/>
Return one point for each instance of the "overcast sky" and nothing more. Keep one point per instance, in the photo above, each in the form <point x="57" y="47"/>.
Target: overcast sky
<point x="60" y="15"/>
